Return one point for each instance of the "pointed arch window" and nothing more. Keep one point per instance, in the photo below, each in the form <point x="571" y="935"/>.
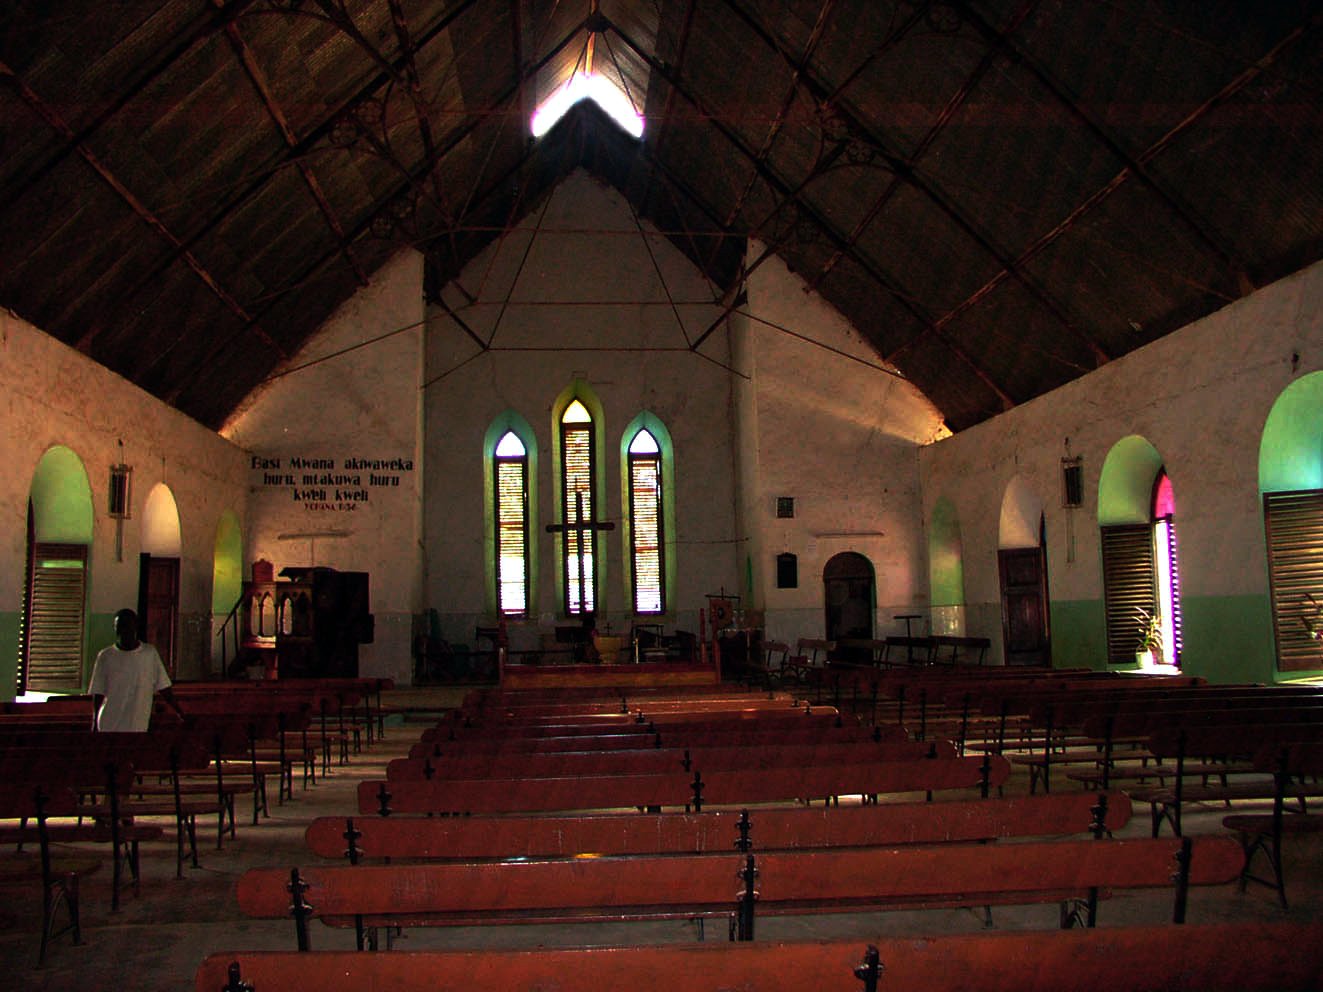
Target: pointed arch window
<point x="579" y="545"/>
<point x="510" y="471"/>
<point x="1166" y="568"/>
<point x="647" y="561"/>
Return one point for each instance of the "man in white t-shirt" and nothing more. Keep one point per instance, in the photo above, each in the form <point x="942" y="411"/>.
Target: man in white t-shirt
<point x="125" y="680"/>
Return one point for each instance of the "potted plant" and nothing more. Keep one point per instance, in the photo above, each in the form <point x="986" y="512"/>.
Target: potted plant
<point x="1148" y="646"/>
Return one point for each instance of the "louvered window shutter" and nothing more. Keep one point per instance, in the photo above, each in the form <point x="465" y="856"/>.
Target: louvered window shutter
<point x="1293" y="524"/>
<point x="580" y="545"/>
<point x="646" y="529"/>
<point x="512" y="535"/>
<point x="52" y="631"/>
<point x="1129" y="590"/>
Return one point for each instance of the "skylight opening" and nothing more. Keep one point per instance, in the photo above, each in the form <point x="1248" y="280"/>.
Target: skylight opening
<point x="593" y="87"/>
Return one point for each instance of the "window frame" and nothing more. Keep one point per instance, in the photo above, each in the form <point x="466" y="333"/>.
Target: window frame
<point x="657" y="461"/>
<point x="498" y="463"/>
<point x="61" y="605"/>
<point x="585" y="578"/>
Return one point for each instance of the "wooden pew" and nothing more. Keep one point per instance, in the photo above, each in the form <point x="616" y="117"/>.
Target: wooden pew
<point x="948" y="649"/>
<point x="545" y="706"/>
<point x="475" y="838"/>
<point x="680" y="789"/>
<point x="59" y="877"/>
<point x="1213" y="957"/>
<point x="107" y="771"/>
<point x="1211" y="741"/>
<point x="699" y="886"/>
<point x="773" y="712"/>
<point x="1290" y="764"/>
<point x="437" y="742"/>
<point x="643" y="761"/>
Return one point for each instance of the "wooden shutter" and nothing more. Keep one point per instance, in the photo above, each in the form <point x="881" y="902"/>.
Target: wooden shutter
<point x="52" y="634"/>
<point x="579" y="545"/>
<point x="512" y="535"/>
<point x="645" y="508"/>
<point x="1129" y="590"/>
<point x="1293" y="525"/>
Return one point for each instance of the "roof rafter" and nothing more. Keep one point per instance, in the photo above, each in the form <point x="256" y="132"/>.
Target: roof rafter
<point x="263" y="87"/>
<point x="1002" y="41"/>
<point x="905" y="172"/>
<point x="213" y="23"/>
<point x="784" y="190"/>
<point x="131" y="200"/>
<point x="787" y="101"/>
<point x="1232" y="87"/>
<point x="453" y="140"/>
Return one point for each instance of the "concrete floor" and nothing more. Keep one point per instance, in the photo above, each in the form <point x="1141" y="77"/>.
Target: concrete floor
<point x="158" y="937"/>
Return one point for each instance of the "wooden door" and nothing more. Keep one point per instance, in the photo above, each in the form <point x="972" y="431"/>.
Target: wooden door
<point x="1024" y="606"/>
<point x="848" y="581"/>
<point x="158" y="606"/>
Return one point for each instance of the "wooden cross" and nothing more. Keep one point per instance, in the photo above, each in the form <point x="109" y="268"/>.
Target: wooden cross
<point x="580" y="527"/>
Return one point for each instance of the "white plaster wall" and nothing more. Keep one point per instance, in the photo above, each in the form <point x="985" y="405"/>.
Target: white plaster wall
<point x="831" y="428"/>
<point x="1201" y="396"/>
<point x="618" y="312"/>
<point x="54" y="395"/>
<point x="352" y="392"/>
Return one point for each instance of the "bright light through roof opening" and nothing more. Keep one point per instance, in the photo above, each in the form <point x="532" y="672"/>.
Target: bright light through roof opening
<point x="596" y="88"/>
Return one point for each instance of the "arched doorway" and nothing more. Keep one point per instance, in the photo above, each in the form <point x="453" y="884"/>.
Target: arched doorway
<point x="158" y="575"/>
<point x="1022" y="569"/>
<point x="849" y="593"/>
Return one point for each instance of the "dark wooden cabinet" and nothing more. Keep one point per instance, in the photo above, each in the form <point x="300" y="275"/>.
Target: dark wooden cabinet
<point x="306" y="624"/>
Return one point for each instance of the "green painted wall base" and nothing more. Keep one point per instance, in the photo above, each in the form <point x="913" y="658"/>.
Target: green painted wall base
<point x="1079" y="637"/>
<point x="8" y="654"/>
<point x="1226" y="639"/>
<point x="1230" y="639"/>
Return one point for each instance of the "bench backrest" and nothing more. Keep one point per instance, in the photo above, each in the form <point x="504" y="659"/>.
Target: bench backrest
<point x="437" y="744"/>
<point x="639" y="761"/>
<point x="1260" y="957"/>
<point x="699" y="788"/>
<point x="484" y="837"/>
<point x="823" y="880"/>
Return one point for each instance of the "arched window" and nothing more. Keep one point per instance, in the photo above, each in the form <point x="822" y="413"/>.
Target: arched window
<point x="510" y="472"/>
<point x="579" y="544"/>
<point x="1166" y="570"/>
<point x="646" y="515"/>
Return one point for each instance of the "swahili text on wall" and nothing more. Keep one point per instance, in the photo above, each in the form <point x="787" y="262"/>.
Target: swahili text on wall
<point x="337" y="484"/>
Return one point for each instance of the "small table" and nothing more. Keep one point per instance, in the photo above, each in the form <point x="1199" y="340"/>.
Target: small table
<point x="907" y="617"/>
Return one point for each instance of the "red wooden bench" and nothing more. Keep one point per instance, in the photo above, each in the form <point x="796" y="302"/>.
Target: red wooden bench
<point x="1214" y="957"/>
<point x="641" y="761"/>
<point x="1290" y="764"/>
<point x="1212" y="741"/>
<point x="695" y="886"/>
<point x="474" y="838"/>
<point x="680" y="789"/>
<point x="107" y="771"/>
<point x="58" y="876"/>
<point x="437" y="742"/>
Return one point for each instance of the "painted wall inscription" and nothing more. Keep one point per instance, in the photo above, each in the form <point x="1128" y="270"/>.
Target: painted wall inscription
<point x="341" y="485"/>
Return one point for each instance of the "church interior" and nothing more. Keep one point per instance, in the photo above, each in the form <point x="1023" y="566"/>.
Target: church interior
<point x="757" y="349"/>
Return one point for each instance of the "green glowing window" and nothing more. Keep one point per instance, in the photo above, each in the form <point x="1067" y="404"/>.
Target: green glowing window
<point x="510" y="469"/>
<point x="51" y="634"/>
<point x="645" y="514"/>
<point x="579" y="545"/>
